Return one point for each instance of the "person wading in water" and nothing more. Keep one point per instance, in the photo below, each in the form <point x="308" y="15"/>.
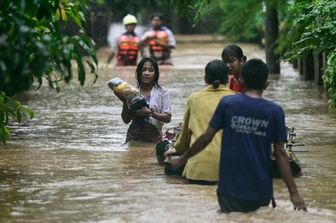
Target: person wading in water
<point x="127" y="45"/>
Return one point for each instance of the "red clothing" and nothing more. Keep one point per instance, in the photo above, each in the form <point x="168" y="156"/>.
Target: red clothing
<point x="128" y="50"/>
<point x="235" y="85"/>
<point x="156" y="49"/>
<point x="160" y="47"/>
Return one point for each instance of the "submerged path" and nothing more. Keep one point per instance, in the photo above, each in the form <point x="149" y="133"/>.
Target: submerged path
<point x="70" y="163"/>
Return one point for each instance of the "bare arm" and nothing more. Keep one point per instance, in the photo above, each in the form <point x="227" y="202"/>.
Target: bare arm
<point x="283" y="165"/>
<point x="111" y="56"/>
<point x="142" y="49"/>
<point x="201" y="142"/>
<point x="147" y="37"/>
<point x="125" y="114"/>
<point x="163" y="117"/>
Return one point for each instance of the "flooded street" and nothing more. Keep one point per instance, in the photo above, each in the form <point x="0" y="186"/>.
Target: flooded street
<point x="70" y="163"/>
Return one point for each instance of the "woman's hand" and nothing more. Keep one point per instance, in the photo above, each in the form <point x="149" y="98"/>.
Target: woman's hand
<point x="162" y="117"/>
<point x="144" y="111"/>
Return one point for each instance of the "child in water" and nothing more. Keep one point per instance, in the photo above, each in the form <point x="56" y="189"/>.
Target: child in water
<point x="158" y="100"/>
<point x="203" y="168"/>
<point x="245" y="179"/>
<point x="234" y="58"/>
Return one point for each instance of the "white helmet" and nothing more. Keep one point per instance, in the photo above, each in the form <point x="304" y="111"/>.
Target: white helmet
<point x="129" y="19"/>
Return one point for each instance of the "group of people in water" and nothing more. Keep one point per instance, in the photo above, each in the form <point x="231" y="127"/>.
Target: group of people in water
<point x="227" y="133"/>
<point x="158" y="38"/>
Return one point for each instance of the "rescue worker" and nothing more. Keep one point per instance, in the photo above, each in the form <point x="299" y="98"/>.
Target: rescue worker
<point x="127" y="45"/>
<point x="160" y="40"/>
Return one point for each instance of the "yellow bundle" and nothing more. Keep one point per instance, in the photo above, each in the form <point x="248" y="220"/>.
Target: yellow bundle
<point x="127" y="93"/>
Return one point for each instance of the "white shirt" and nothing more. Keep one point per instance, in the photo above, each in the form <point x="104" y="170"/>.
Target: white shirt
<point x="158" y="101"/>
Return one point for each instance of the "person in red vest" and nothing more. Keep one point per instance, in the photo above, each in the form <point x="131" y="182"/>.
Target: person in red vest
<point x="160" y="40"/>
<point x="127" y="45"/>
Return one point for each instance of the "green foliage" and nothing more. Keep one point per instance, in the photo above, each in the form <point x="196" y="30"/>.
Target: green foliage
<point x="193" y="9"/>
<point x="141" y="9"/>
<point x="189" y="8"/>
<point x="240" y="20"/>
<point x="329" y="79"/>
<point x="311" y="27"/>
<point x="291" y="27"/>
<point x="120" y="8"/>
<point x="34" y="48"/>
<point x="10" y="110"/>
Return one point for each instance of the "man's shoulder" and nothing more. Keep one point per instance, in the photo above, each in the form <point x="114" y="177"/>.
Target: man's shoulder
<point x="234" y="101"/>
<point x="275" y="107"/>
<point x="272" y="103"/>
<point x="148" y="30"/>
<point x="232" y="97"/>
<point x="242" y="98"/>
<point x="165" y="28"/>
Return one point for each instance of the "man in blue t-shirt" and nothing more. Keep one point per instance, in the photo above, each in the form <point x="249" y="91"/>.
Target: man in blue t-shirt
<point x="250" y="126"/>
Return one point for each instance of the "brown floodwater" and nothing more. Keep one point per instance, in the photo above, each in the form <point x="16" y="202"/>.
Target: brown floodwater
<point x="70" y="163"/>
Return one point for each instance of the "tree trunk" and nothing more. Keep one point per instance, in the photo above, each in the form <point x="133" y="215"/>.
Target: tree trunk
<point x="97" y="23"/>
<point x="318" y="68"/>
<point x="271" y="36"/>
<point x="308" y="67"/>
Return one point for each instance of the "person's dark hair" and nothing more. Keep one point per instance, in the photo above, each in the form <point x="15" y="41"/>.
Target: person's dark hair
<point x="233" y="50"/>
<point x="159" y="15"/>
<point x="138" y="71"/>
<point x="255" y="74"/>
<point x="216" y="73"/>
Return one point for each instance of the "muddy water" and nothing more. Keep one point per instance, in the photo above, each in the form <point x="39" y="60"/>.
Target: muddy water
<point x="70" y="163"/>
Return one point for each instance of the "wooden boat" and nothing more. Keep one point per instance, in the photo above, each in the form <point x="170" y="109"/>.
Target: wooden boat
<point x="293" y="160"/>
<point x="168" y="140"/>
<point x="170" y="136"/>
